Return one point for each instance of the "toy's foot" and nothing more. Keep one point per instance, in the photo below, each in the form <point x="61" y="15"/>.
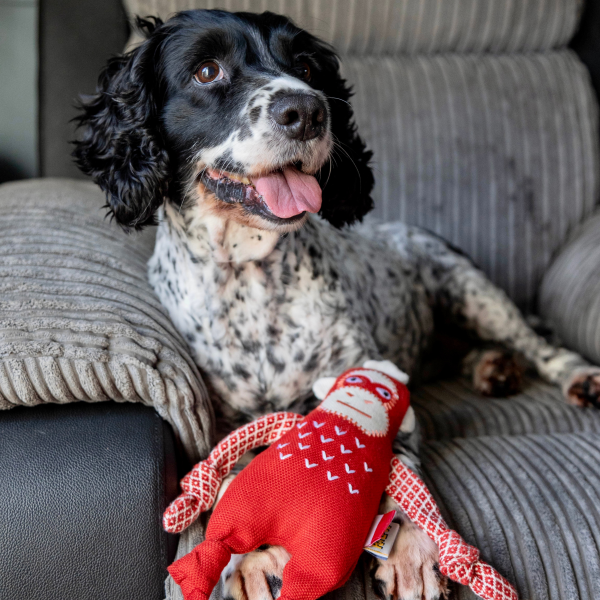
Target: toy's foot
<point x="494" y="372"/>
<point x="411" y="572"/>
<point x="256" y="575"/>
<point x="583" y="387"/>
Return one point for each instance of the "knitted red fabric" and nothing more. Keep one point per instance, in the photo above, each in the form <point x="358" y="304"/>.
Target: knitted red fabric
<point x="201" y="485"/>
<point x="316" y="492"/>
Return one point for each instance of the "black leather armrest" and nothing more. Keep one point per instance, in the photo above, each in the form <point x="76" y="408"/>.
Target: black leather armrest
<point x="82" y="491"/>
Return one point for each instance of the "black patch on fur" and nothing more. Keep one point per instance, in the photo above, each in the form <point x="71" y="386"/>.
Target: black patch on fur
<point x="121" y="145"/>
<point x="255" y="114"/>
<point x="275" y="584"/>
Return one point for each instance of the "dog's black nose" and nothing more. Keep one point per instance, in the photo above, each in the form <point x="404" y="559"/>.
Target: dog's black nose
<point x="301" y="116"/>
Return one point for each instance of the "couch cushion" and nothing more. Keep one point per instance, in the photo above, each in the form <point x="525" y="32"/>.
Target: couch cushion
<point x="529" y="503"/>
<point x="394" y="27"/>
<point x="78" y="320"/>
<point x="498" y="154"/>
<point x="570" y="292"/>
<point x="449" y="409"/>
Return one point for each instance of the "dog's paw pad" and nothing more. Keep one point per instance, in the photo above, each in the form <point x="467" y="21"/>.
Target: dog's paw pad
<point x="583" y="389"/>
<point x="256" y="575"/>
<point x="411" y="572"/>
<point x="497" y="374"/>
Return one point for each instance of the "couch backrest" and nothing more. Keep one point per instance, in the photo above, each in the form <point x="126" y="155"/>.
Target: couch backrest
<point x="393" y="27"/>
<point x="484" y="126"/>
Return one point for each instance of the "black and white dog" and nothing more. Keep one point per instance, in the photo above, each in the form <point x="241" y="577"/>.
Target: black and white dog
<point x="229" y="130"/>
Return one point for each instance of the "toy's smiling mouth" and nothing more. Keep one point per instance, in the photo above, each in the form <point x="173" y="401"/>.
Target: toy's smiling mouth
<point x="354" y="408"/>
<point x="283" y="195"/>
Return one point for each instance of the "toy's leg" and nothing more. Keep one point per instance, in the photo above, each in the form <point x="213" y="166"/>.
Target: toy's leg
<point x="308" y="576"/>
<point x="198" y="572"/>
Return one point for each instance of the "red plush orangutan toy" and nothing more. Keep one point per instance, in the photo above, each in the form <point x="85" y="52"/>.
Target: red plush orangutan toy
<point x="323" y="473"/>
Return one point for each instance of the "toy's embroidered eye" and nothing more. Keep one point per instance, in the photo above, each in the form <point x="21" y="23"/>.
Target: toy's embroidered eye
<point x="208" y="72"/>
<point x="383" y="392"/>
<point x="354" y="379"/>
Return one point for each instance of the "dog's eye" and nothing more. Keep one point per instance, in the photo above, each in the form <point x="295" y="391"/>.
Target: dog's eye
<point x="354" y="379"/>
<point x="304" y="71"/>
<point x="208" y="72"/>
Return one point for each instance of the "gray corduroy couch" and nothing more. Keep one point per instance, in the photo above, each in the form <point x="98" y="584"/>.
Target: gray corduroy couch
<point x="484" y="124"/>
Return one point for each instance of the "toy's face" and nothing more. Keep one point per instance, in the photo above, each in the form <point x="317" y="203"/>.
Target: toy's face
<point x="364" y="397"/>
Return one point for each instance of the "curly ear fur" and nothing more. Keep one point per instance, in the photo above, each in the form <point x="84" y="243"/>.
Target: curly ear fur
<point x="347" y="178"/>
<point x="121" y="145"/>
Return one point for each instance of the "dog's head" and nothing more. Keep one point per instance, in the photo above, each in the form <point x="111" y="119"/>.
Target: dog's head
<point x="244" y="115"/>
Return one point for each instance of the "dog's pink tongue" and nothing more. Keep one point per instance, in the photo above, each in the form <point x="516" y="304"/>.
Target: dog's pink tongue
<point x="289" y="192"/>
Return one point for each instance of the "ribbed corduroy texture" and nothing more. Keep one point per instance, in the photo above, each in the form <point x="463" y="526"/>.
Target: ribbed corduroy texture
<point x="78" y="320"/>
<point x="498" y="154"/>
<point x="451" y="409"/>
<point x="395" y="27"/>
<point x="529" y="503"/>
<point x="570" y="292"/>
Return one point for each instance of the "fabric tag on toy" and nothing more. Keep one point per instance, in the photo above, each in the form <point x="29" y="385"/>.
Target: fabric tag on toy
<point x="382" y="535"/>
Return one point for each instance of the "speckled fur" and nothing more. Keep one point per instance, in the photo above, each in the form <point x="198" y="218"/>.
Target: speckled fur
<point x="318" y="301"/>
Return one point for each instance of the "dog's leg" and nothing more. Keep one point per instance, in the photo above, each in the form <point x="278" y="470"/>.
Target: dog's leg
<point x="256" y="575"/>
<point x="475" y="303"/>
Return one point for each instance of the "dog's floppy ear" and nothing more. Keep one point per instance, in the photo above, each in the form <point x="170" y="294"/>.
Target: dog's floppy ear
<point x="347" y="179"/>
<point x="121" y="145"/>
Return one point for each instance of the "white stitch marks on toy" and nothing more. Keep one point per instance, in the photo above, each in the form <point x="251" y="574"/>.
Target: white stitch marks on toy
<point x="325" y="457"/>
<point x="303" y="447"/>
<point x="318" y="425"/>
<point x="367" y="468"/>
<point x="348" y="469"/>
<point x="308" y="465"/>
<point x="339" y="431"/>
<point x="325" y="440"/>
<point x="332" y="477"/>
<point x="352" y="491"/>
<point x="303" y="435"/>
<point x="282" y="445"/>
<point x="344" y="451"/>
<point x="358" y="444"/>
<point x="282" y="457"/>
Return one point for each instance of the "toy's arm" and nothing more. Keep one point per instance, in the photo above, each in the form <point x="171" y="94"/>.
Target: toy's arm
<point x="201" y="485"/>
<point x="458" y="560"/>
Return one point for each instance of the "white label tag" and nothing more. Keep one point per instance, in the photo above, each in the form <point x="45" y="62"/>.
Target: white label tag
<point x="383" y="546"/>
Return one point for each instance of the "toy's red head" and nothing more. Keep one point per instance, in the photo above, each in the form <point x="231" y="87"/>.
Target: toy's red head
<point x="374" y="397"/>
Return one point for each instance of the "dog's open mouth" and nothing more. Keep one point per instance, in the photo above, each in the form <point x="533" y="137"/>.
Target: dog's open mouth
<point x="285" y="194"/>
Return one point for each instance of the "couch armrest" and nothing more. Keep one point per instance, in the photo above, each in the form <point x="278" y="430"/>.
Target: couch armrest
<point x="82" y="490"/>
<point x="569" y="296"/>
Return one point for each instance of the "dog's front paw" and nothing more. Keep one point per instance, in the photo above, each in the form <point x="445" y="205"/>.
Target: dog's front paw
<point x="583" y="387"/>
<point x="256" y="575"/>
<point x="411" y="572"/>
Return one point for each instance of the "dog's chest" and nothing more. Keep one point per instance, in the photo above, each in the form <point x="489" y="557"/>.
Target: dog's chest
<point x="264" y="331"/>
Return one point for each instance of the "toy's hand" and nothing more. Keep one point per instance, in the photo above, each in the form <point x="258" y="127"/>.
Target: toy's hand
<point x="201" y="485"/>
<point x="458" y="560"/>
